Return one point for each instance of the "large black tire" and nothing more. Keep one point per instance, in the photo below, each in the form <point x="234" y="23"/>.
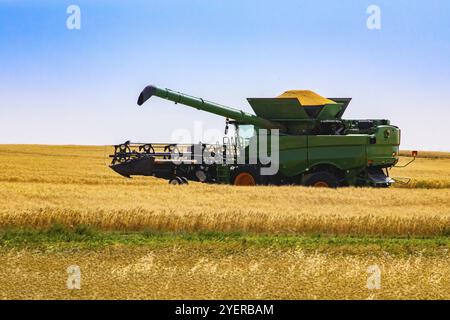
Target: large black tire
<point x="322" y="179"/>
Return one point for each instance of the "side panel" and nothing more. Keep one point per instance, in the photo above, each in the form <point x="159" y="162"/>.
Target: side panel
<point x="293" y="155"/>
<point x="385" y="151"/>
<point x="345" y="152"/>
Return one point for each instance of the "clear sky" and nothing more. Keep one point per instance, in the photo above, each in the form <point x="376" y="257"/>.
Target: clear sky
<point x="61" y="86"/>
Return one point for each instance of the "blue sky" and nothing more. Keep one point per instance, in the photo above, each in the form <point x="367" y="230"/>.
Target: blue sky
<point x="61" y="86"/>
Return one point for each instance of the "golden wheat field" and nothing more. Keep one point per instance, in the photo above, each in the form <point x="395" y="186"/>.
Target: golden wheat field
<point x="221" y="273"/>
<point x="71" y="186"/>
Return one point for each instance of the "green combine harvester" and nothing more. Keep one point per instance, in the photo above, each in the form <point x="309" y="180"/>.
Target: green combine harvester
<point x="316" y="147"/>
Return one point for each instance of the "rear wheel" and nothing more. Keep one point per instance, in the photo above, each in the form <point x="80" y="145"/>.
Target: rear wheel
<point x="322" y="179"/>
<point x="244" y="179"/>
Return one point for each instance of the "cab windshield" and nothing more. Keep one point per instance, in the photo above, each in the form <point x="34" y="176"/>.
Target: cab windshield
<point x="246" y="132"/>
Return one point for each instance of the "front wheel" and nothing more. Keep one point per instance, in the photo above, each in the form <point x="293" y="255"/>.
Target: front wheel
<point x="322" y="179"/>
<point x="244" y="179"/>
<point x="178" y="180"/>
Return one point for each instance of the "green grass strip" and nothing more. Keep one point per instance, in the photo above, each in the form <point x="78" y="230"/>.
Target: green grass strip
<point x="81" y="237"/>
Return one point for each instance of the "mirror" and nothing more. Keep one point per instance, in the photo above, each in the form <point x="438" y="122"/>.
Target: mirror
<point x="227" y="121"/>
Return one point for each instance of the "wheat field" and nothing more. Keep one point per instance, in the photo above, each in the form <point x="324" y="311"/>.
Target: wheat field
<point x="72" y="186"/>
<point x="180" y="272"/>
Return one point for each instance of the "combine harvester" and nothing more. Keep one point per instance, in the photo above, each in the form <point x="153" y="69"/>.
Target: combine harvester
<point x="316" y="147"/>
